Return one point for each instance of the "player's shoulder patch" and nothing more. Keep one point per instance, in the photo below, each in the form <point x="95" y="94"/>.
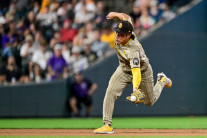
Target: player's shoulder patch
<point x="136" y="61"/>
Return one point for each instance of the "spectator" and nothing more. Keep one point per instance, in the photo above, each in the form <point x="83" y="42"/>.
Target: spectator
<point x="33" y="29"/>
<point x="67" y="32"/>
<point x="82" y="16"/>
<point x="79" y="6"/>
<point x="26" y="53"/>
<point x="65" y="11"/>
<point x="57" y="37"/>
<point x="2" y="18"/>
<point x="39" y="60"/>
<point x="48" y="21"/>
<point x="20" y="32"/>
<point x="108" y="35"/>
<point x="89" y="26"/>
<point x="52" y="44"/>
<point x="9" y="35"/>
<point x="81" y="90"/>
<point x="1" y="34"/>
<point x="167" y="13"/>
<point x="13" y="73"/>
<point x="15" y="50"/>
<point x="100" y="16"/>
<point x="91" y="8"/>
<point x="136" y="12"/>
<point x="38" y="39"/>
<point x="143" y="3"/>
<point x="80" y="37"/>
<point x="66" y="52"/>
<point x="88" y="6"/>
<point x="89" y="54"/>
<point x="22" y="6"/>
<point x="57" y="66"/>
<point x="6" y="52"/>
<point x="70" y="11"/>
<point x="101" y="48"/>
<point x="30" y="19"/>
<point x="78" y="62"/>
<point x="145" y="20"/>
<point x="27" y="33"/>
<point x="2" y="74"/>
<point x="11" y="14"/>
<point x="155" y="12"/>
<point x="36" y="7"/>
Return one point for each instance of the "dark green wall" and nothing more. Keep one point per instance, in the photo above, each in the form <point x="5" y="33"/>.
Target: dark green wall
<point x="35" y="100"/>
<point x="178" y="49"/>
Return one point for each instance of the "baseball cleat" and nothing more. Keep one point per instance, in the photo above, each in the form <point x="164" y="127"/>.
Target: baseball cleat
<point x="106" y="129"/>
<point x="163" y="78"/>
<point x="136" y="97"/>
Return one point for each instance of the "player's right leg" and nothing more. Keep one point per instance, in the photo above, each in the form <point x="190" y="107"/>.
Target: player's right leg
<point x="117" y="83"/>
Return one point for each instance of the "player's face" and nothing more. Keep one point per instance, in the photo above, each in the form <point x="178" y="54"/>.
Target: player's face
<point x="121" y="38"/>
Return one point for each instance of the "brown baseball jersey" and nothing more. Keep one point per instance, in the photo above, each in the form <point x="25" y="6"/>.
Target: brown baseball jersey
<point x="131" y="55"/>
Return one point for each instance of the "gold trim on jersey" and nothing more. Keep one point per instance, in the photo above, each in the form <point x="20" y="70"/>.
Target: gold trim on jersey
<point x="127" y="42"/>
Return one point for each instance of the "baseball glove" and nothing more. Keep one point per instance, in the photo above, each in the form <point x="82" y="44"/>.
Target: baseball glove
<point x="136" y="97"/>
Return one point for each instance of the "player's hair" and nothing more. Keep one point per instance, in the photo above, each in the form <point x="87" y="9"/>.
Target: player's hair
<point x="132" y="36"/>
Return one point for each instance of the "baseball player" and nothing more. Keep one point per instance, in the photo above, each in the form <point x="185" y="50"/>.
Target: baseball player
<point x="134" y="67"/>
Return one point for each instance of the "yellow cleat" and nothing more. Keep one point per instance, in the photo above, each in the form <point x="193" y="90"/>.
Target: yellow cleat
<point x="106" y="129"/>
<point x="163" y="78"/>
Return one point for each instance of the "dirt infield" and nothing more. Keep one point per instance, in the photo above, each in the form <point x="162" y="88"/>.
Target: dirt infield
<point x="89" y="132"/>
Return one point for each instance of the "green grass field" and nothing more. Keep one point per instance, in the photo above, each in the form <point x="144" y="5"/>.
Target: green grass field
<point x="83" y="123"/>
<point x="91" y="123"/>
<point x="106" y="137"/>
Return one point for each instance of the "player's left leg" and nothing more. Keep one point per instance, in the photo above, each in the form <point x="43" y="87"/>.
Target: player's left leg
<point x="146" y="86"/>
<point x="152" y="93"/>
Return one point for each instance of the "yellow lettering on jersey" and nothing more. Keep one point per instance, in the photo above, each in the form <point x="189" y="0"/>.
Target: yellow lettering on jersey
<point x="124" y="52"/>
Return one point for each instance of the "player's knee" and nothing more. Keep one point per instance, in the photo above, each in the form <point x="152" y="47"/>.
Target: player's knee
<point x="111" y="94"/>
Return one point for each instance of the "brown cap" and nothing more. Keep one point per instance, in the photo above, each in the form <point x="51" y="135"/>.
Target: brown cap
<point x="123" y="27"/>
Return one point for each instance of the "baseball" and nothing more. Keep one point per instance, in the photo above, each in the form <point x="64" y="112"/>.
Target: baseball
<point x="133" y="98"/>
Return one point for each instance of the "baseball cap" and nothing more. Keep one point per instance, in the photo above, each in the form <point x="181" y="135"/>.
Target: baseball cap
<point x="28" y="38"/>
<point x="58" y="47"/>
<point x="67" y="21"/>
<point x="78" y="72"/>
<point x="76" y="49"/>
<point x="123" y="27"/>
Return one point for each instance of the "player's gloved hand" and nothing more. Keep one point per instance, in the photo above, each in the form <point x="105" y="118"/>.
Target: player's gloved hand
<point x="136" y="97"/>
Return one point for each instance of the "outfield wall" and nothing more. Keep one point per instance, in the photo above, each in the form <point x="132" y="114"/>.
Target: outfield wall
<point x="178" y="49"/>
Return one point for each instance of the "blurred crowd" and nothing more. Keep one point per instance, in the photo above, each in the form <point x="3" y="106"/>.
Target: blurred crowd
<point x="147" y="13"/>
<point x="45" y="40"/>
